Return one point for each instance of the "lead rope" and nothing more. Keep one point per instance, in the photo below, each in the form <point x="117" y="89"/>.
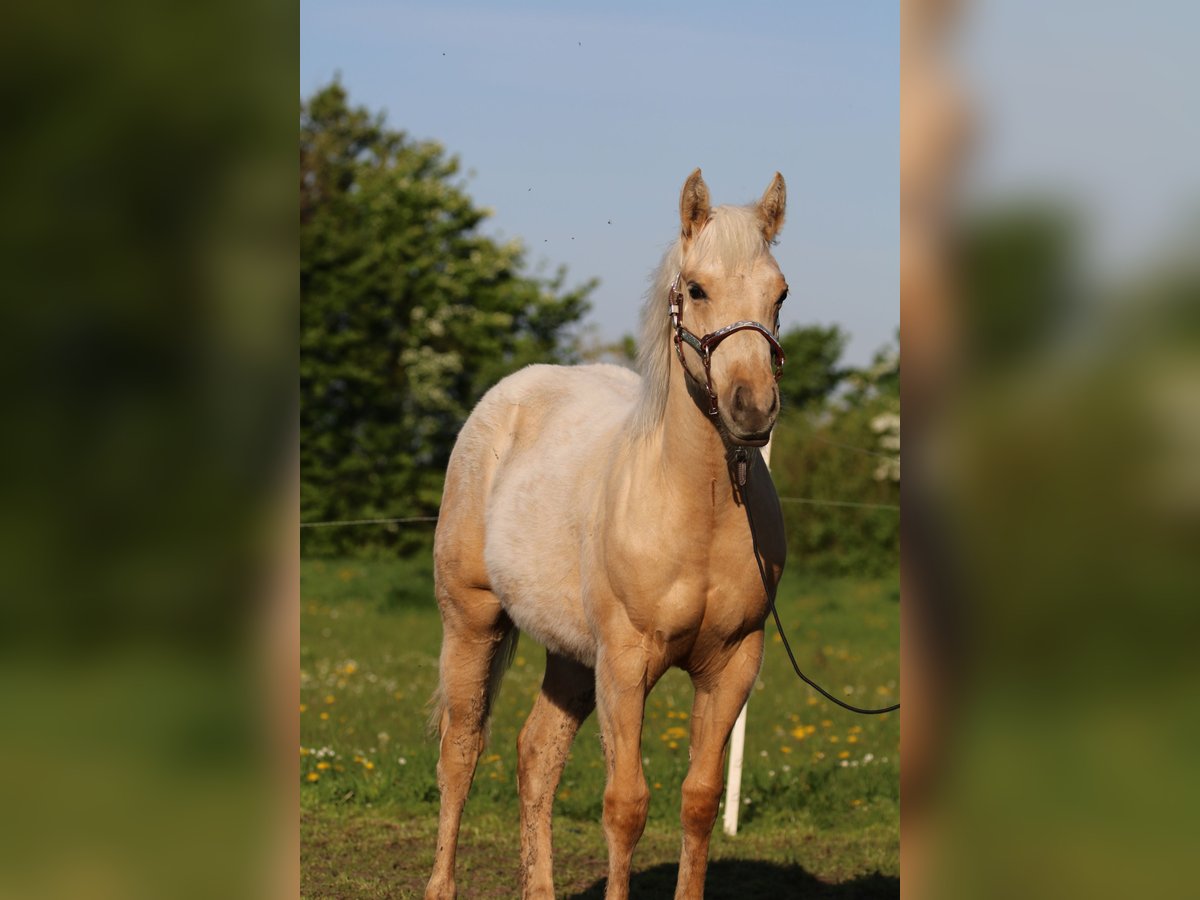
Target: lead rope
<point x="741" y="466"/>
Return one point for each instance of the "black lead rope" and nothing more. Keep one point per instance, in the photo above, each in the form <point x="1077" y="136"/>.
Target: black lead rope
<point x="740" y="473"/>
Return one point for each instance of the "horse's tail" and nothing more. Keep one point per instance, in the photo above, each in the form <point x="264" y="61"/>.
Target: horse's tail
<point x="505" y="651"/>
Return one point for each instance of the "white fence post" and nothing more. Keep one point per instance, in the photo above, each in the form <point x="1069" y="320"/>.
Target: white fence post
<point x="733" y="787"/>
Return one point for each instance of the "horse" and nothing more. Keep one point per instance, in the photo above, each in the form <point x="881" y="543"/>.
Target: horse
<point x="608" y="515"/>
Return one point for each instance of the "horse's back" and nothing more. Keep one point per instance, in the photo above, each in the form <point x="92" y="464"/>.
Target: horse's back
<point x="539" y="406"/>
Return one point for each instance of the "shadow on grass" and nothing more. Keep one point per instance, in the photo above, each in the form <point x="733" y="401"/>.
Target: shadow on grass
<point x="739" y="879"/>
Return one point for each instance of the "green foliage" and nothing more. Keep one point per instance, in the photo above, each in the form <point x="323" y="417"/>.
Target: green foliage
<point x="408" y="315"/>
<point x="810" y="374"/>
<point x="835" y="460"/>
<point x="1019" y="267"/>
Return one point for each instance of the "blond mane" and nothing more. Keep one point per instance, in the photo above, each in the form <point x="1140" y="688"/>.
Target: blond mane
<point x="734" y="236"/>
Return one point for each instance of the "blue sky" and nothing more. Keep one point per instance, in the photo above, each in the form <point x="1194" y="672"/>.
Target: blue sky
<point x="577" y="124"/>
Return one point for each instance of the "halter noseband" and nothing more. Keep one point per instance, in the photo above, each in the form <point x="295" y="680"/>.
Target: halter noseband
<point x="707" y="344"/>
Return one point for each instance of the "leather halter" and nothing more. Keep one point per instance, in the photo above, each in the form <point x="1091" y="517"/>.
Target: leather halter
<point x="707" y="344"/>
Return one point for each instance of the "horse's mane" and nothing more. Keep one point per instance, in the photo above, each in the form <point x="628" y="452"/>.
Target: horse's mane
<point x="734" y="235"/>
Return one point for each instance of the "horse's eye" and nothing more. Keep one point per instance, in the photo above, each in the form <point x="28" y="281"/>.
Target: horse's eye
<point x="782" y="297"/>
<point x="696" y="292"/>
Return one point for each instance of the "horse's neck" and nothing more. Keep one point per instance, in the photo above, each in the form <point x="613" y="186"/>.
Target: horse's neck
<point x="693" y="452"/>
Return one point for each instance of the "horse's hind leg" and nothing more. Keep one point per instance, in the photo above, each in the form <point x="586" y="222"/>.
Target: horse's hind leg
<point x="568" y="697"/>
<point x="477" y="637"/>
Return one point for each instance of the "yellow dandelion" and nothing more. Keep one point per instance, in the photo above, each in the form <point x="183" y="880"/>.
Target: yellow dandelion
<point x="324" y="717"/>
<point x="520" y="661"/>
<point x="322" y="765"/>
<point x="658" y="785"/>
<point x="672" y="745"/>
<point x="853" y="739"/>
<point x="303" y="707"/>
<point x="491" y="758"/>
<point x="369" y="765"/>
<point x="856" y="803"/>
<point x="833" y="739"/>
<point x="785" y="749"/>
<point x="329" y="698"/>
<point x="312" y="776"/>
<point x="845" y="754"/>
<point x="303" y="751"/>
<point x="813" y="701"/>
<point x="799" y="733"/>
<point x="826" y="723"/>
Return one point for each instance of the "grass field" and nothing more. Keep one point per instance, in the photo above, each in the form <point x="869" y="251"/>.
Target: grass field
<point x="820" y="790"/>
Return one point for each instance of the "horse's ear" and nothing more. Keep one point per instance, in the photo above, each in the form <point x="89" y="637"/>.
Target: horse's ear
<point x="694" y="208"/>
<point x="771" y="207"/>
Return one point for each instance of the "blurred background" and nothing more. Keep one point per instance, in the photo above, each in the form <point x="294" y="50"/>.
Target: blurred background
<point x="1051" y="268"/>
<point x="150" y="254"/>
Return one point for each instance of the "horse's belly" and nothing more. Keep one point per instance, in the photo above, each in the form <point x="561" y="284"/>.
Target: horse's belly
<point x="551" y="616"/>
<point x="537" y="582"/>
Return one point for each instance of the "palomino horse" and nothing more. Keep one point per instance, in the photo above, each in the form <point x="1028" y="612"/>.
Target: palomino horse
<point x="605" y="514"/>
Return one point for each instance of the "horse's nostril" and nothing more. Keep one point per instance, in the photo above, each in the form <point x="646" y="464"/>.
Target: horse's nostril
<point x="739" y="399"/>
<point x="774" y="403"/>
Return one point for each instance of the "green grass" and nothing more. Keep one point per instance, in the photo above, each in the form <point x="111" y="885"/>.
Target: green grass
<point x="820" y="788"/>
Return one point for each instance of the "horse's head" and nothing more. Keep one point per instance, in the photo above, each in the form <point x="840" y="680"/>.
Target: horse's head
<point x="729" y="291"/>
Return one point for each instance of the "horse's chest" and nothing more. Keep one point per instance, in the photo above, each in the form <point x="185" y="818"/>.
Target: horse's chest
<point x="710" y="599"/>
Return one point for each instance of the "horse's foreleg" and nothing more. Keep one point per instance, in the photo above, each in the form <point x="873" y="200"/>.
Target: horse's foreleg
<point x="568" y="697"/>
<point x="473" y="636"/>
<point x="719" y="698"/>
<point x="622" y="682"/>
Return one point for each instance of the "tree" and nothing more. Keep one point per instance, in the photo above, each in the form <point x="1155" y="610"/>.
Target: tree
<point x="408" y="314"/>
<point x="811" y="373"/>
<point x="836" y="457"/>
<point x="1019" y="265"/>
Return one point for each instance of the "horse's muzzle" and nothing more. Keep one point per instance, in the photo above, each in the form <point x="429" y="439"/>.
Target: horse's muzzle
<point x="750" y="414"/>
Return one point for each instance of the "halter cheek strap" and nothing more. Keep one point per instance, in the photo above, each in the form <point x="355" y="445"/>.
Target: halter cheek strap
<point x="707" y="344"/>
